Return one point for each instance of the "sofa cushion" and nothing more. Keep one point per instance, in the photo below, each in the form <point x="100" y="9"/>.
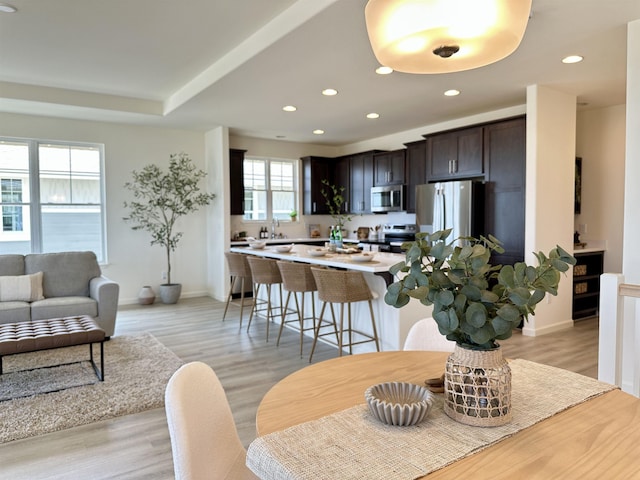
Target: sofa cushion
<point x="11" y="264"/>
<point x="21" y="288"/>
<point x="11" y="312"/>
<point x="66" y="274"/>
<point x="58" y="307"/>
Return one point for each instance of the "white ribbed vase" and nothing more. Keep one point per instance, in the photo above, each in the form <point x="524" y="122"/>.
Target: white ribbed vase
<point x="477" y="387"/>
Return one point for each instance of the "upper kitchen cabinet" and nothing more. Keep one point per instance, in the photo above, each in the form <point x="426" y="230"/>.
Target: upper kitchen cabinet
<point x="361" y="168"/>
<point x="314" y="171"/>
<point x="415" y="171"/>
<point x="236" y="181"/>
<point x="505" y="160"/>
<point x="455" y="155"/>
<point x="388" y="168"/>
<point x="342" y="179"/>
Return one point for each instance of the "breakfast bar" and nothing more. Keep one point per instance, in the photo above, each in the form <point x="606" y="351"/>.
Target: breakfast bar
<point x="393" y="324"/>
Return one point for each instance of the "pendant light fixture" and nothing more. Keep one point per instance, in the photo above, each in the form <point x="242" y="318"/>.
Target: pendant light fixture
<point x="442" y="36"/>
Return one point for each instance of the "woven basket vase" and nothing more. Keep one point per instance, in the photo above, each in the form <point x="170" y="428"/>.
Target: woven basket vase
<point x="477" y="387"/>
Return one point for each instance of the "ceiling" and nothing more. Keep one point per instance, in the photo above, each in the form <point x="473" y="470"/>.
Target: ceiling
<point x="199" y="64"/>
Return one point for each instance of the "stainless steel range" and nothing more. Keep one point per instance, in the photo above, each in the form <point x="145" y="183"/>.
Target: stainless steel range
<point x="393" y="235"/>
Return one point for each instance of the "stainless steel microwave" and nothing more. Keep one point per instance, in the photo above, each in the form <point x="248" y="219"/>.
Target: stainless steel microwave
<point x="387" y="199"/>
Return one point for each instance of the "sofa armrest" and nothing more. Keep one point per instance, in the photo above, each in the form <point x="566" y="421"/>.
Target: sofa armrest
<point x="105" y="292"/>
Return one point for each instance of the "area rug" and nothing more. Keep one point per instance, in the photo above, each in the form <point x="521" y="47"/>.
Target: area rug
<point x="137" y="369"/>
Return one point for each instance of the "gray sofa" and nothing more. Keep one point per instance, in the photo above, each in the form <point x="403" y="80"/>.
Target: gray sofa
<point x="71" y="284"/>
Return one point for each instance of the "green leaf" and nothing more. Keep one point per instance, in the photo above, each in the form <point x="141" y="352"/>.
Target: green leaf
<point x="472" y="292"/>
<point x="445" y="297"/>
<point x="506" y="276"/>
<point x="501" y="326"/>
<point x="509" y="313"/>
<point x="476" y="314"/>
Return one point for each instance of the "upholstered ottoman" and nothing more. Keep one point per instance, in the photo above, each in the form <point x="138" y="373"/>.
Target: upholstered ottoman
<point x="22" y="337"/>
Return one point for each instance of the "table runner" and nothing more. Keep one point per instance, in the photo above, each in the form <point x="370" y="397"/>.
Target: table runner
<point x="352" y="444"/>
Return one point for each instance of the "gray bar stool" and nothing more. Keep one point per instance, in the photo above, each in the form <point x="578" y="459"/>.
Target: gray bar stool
<point x="343" y="287"/>
<point x="238" y="268"/>
<point x="264" y="271"/>
<point x="298" y="279"/>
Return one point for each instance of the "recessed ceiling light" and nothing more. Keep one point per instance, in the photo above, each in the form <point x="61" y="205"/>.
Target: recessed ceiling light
<point x="5" y="8"/>
<point x="384" y="70"/>
<point x="373" y="115"/>
<point x="318" y="132"/>
<point x="329" y="92"/>
<point x="572" y="59"/>
<point x="289" y="108"/>
<point x="452" y="93"/>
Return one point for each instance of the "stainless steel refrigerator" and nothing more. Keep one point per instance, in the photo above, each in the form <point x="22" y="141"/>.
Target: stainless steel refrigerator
<point x="456" y="205"/>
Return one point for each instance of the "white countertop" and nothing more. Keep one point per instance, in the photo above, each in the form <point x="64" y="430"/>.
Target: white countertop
<point x="380" y="263"/>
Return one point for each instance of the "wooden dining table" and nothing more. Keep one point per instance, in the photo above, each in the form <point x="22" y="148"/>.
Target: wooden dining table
<point x="596" y="439"/>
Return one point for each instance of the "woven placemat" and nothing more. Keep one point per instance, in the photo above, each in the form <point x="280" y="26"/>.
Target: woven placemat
<point x="352" y="444"/>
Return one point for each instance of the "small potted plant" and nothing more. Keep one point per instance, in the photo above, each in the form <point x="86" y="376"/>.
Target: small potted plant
<point x="293" y="215"/>
<point x="336" y="204"/>
<point x="160" y="198"/>
<point x="474" y="304"/>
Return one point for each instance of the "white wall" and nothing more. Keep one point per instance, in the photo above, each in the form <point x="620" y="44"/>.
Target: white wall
<point x="600" y="141"/>
<point x="132" y="262"/>
<point x="551" y="133"/>
<point x="630" y="252"/>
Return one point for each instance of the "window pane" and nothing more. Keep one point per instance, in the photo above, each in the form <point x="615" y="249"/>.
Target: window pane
<point x="69" y="174"/>
<point x="283" y="204"/>
<point x="255" y="205"/>
<point x="67" y="229"/>
<point x="282" y="176"/>
<point x="15" y="234"/>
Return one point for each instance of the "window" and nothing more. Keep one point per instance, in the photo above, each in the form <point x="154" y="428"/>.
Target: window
<point x="270" y="188"/>
<point x="11" y="189"/>
<point x="52" y="197"/>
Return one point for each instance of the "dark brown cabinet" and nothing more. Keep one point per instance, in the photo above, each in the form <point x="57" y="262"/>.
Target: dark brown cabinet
<point x="236" y="181"/>
<point x="415" y="171"/>
<point x="504" y="204"/>
<point x="455" y="155"/>
<point x="314" y="171"/>
<point x="388" y="168"/>
<point x="361" y="168"/>
<point x="586" y="283"/>
<point x="342" y="179"/>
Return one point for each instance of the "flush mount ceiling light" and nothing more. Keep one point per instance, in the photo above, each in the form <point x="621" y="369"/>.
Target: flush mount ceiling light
<point x="289" y="108"/>
<point x="373" y="115"/>
<point x="452" y="93"/>
<point x="318" y="132"/>
<point x="384" y="70"/>
<point x="6" y="8"/>
<point x="572" y="59"/>
<point x="442" y="36"/>
<point x="329" y="92"/>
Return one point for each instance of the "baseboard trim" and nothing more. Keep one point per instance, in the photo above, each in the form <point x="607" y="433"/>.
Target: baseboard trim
<point x="527" y="331"/>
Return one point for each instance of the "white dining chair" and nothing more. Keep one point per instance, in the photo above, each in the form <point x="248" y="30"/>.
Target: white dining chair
<point x="424" y="335"/>
<point x="204" y="438"/>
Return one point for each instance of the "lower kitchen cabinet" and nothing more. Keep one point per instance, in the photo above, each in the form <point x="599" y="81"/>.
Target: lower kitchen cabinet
<point x="586" y="283"/>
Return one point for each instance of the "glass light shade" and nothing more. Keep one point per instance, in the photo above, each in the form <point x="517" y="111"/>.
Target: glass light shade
<point x="404" y="33"/>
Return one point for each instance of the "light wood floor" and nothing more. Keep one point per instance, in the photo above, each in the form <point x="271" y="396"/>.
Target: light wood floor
<point x="138" y="446"/>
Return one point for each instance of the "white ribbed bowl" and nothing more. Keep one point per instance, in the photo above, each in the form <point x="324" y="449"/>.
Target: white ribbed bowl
<point x="257" y="245"/>
<point x="399" y="403"/>
<point x="317" y="252"/>
<point x="283" y="248"/>
<point x="363" y="257"/>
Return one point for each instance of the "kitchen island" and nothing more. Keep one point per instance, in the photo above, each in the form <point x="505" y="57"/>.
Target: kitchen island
<point x="393" y="324"/>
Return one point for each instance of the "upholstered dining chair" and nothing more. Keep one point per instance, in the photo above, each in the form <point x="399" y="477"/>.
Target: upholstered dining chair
<point x="424" y="335"/>
<point x="204" y="439"/>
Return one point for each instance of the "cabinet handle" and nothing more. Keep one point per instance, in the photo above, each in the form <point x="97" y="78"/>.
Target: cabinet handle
<point x="346" y="207"/>
<point x="390" y="177"/>
<point x="455" y="166"/>
<point x="314" y="207"/>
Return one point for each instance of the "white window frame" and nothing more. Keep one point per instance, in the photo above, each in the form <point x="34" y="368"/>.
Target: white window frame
<point x="33" y="200"/>
<point x="269" y="192"/>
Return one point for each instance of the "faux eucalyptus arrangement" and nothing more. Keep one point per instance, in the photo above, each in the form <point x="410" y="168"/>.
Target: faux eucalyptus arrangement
<point x="161" y="197"/>
<point x="474" y="303"/>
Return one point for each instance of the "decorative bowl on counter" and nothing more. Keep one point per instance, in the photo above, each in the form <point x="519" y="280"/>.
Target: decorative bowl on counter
<point x="364" y="257"/>
<point x="399" y="403"/>
<point x="283" y="248"/>
<point x="317" y="252"/>
<point x="257" y="245"/>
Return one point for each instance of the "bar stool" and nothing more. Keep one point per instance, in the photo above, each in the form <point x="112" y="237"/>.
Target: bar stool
<point x="238" y="268"/>
<point x="264" y="271"/>
<point x="343" y="287"/>
<point x="297" y="278"/>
